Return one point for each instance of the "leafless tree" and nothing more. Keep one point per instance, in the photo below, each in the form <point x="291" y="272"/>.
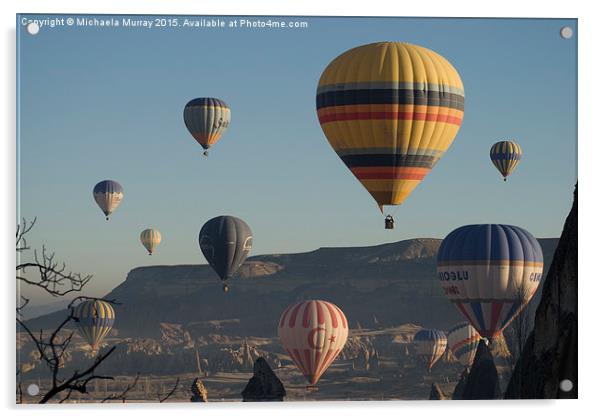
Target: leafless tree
<point x="52" y="351"/>
<point x="162" y="398"/>
<point x="123" y="395"/>
<point x="56" y="280"/>
<point x="44" y="271"/>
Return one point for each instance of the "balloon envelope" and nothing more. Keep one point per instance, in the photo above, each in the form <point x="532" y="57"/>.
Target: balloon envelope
<point x="463" y="340"/>
<point x="225" y="242"/>
<point x="430" y="345"/>
<point x="313" y="333"/>
<point x="108" y="195"/>
<point x="206" y="119"/>
<point x="505" y="156"/>
<point x="390" y="110"/>
<point x="95" y="318"/>
<point x="490" y="272"/>
<point x="150" y="239"/>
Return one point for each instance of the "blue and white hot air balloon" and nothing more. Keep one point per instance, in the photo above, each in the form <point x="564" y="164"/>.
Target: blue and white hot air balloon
<point x="490" y="272"/>
<point x="108" y="194"/>
<point x="430" y="345"/>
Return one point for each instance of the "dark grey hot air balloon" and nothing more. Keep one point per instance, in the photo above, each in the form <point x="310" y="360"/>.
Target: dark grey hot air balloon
<point x="225" y="242"/>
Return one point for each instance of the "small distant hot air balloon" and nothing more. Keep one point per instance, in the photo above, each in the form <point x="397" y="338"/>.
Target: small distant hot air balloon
<point x="94" y="318"/>
<point x="313" y="333"/>
<point x="490" y="272"/>
<point x="505" y="156"/>
<point x="430" y="345"/>
<point x="206" y="118"/>
<point x="463" y="340"/>
<point x="150" y="239"/>
<point x="390" y="110"/>
<point x="108" y="195"/>
<point x="225" y="242"/>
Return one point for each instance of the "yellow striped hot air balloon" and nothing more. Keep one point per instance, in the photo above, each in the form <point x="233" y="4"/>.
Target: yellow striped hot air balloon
<point x="390" y="110"/>
<point x="505" y="156"/>
<point x="94" y="319"/>
<point x="150" y="239"/>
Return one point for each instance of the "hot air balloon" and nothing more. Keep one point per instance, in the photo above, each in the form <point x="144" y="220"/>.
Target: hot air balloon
<point x="463" y="341"/>
<point x="390" y="110"/>
<point x="505" y="156"/>
<point x="430" y="345"/>
<point x="108" y="195"/>
<point x="150" y="239"/>
<point x="206" y="118"/>
<point x="490" y="272"/>
<point x="313" y="333"/>
<point x="225" y="242"/>
<point x="94" y="318"/>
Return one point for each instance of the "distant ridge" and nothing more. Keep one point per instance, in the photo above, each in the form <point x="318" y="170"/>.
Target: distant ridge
<point x="394" y="282"/>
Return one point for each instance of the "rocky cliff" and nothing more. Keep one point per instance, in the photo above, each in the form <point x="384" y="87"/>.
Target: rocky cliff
<point x="384" y="285"/>
<point x="482" y="381"/>
<point x="550" y="353"/>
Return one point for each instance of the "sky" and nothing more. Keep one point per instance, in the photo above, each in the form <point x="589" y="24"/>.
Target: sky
<point x="106" y="103"/>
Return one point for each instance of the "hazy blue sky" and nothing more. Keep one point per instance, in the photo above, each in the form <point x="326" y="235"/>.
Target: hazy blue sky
<point x="106" y="103"/>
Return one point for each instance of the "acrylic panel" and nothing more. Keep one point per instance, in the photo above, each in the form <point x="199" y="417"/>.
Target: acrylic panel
<point x="288" y="208"/>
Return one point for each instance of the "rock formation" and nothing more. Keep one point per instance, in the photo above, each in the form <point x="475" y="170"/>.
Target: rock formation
<point x="189" y="294"/>
<point x="550" y="352"/>
<point x="199" y="392"/>
<point x="264" y="386"/>
<point x="174" y="334"/>
<point x="482" y="381"/>
<point x="373" y="360"/>
<point x="436" y="393"/>
<point x="459" y="389"/>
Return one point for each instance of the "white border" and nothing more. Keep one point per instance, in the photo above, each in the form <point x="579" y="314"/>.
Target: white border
<point x="589" y="150"/>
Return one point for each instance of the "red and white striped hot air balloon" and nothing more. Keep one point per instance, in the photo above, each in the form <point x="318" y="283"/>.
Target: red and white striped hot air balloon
<point x="313" y="333"/>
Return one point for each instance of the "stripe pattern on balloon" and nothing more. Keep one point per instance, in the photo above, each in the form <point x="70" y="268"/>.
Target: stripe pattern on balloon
<point x="505" y="156"/>
<point x="463" y="340"/>
<point x="313" y="333"/>
<point x="206" y="119"/>
<point x="150" y="239"/>
<point x="95" y="318"/>
<point x="390" y="110"/>
<point x="430" y="345"/>
<point x="490" y="272"/>
<point x="108" y="194"/>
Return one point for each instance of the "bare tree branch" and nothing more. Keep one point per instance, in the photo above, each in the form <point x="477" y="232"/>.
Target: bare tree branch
<point x="24" y="302"/>
<point x="53" y="277"/>
<point x="78" y="382"/>
<point x="123" y="395"/>
<point x="22" y="230"/>
<point x="170" y="393"/>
